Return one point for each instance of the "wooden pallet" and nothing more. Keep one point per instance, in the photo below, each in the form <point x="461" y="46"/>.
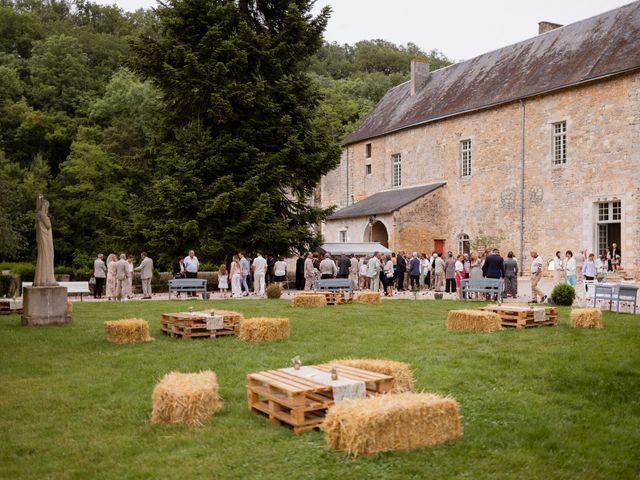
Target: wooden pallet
<point x="185" y="325"/>
<point x="522" y="316"/>
<point x="334" y="297"/>
<point x="299" y="402"/>
<point x="6" y="308"/>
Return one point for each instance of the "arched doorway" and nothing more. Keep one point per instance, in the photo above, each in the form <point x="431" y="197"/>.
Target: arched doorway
<point x="376" y="232"/>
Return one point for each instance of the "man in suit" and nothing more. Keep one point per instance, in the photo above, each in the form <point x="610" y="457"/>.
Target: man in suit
<point x="122" y="276"/>
<point x="308" y="272"/>
<point x="100" y="274"/>
<point x="493" y="265"/>
<point x="344" y="264"/>
<point x="401" y="263"/>
<point x="146" y="273"/>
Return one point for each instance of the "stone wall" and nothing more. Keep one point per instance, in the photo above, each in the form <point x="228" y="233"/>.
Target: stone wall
<point x="603" y="141"/>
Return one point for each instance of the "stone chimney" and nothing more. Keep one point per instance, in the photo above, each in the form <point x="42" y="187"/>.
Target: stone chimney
<point x="544" y="27"/>
<point x="419" y="75"/>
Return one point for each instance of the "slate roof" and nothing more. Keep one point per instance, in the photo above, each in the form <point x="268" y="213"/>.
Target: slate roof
<point x="588" y="50"/>
<point x="385" y="202"/>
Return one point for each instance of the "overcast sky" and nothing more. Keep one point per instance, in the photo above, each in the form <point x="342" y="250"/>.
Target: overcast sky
<point x="460" y="29"/>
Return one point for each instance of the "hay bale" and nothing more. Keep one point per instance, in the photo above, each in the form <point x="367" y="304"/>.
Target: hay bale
<point x="371" y="298"/>
<point x="131" y="330"/>
<point x="391" y="422"/>
<point x="309" y="300"/>
<point x="263" y="329"/>
<point x="189" y="398"/>
<point x="586" y="318"/>
<point x="475" y="320"/>
<point x="401" y="372"/>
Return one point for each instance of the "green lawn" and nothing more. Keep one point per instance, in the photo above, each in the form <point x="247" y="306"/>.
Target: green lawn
<point x="542" y="403"/>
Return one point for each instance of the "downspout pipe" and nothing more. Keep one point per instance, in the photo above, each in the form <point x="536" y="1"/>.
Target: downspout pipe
<point x="522" y="166"/>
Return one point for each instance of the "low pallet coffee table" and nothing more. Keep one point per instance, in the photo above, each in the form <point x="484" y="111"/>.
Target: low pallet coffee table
<point x="302" y="403"/>
<point x="524" y="316"/>
<point x="9" y="306"/>
<point x="192" y="325"/>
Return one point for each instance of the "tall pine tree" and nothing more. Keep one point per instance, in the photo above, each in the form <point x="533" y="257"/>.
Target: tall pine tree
<point x="239" y="155"/>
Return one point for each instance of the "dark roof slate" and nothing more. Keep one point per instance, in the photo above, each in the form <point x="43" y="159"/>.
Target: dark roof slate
<point x="385" y="202"/>
<point x="587" y="50"/>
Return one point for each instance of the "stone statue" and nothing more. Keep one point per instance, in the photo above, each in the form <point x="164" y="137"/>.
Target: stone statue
<point x="44" y="267"/>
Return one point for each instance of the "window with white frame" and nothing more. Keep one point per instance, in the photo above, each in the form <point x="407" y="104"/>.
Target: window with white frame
<point x="560" y="143"/>
<point x="343" y="236"/>
<point x="465" y="158"/>
<point x="396" y="176"/>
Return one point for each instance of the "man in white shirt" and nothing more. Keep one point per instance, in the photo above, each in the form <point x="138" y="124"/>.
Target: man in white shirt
<point x="328" y="267"/>
<point x="536" y="275"/>
<point x="100" y="275"/>
<point x="259" y="272"/>
<point x="122" y="276"/>
<point x="373" y="272"/>
<point x="191" y="267"/>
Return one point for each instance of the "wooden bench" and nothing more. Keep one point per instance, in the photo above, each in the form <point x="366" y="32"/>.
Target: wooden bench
<point x="618" y="292"/>
<point x="336" y="290"/>
<point x="188" y="285"/>
<point x="491" y="286"/>
<point x="73" y="288"/>
<point x="335" y="284"/>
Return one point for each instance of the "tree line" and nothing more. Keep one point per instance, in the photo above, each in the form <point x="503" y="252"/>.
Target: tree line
<point x="198" y="124"/>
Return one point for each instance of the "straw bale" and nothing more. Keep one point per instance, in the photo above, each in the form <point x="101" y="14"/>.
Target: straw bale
<point x="309" y="300"/>
<point x="263" y="329"/>
<point x="372" y="298"/>
<point x="131" y="330"/>
<point x="391" y="422"/>
<point x="475" y="320"/>
<point x="189" y="398"/>
<point x="401" y="372"/>
<point x="586" y="318"/>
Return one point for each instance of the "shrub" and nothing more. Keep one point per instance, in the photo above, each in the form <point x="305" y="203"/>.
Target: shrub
<point x="563" y="294"/>
<point x="26" y="271"/>
<point x="274" y="291"/>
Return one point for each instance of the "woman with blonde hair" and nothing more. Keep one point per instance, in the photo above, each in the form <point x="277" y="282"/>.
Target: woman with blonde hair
<point x="111" y="276"/>
<point x="236" y="277"/>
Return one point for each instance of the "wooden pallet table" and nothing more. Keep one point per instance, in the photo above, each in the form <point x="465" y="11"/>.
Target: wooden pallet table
<point x="524" y="316"/>
<point x="188" y="325"/>
<point x="334" y="297"/>
<point x="302" y="403"/>
<point x="10" y="306"/>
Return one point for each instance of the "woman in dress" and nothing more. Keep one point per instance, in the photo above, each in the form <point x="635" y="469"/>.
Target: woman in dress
<point x="570" y="269"/>
<point x="460" y="275"/>
<point x="111" y="276"/>
<point x="388" y="276"/>
<point x="223" y="280"/>
<point x="557" y="268"/>
<point x="476" y="270"/>
<point x="280" y="271"/>
<point x="236" y="277"/>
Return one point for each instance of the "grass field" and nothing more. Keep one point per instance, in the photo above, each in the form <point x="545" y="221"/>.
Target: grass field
<point x="548" y="403"/>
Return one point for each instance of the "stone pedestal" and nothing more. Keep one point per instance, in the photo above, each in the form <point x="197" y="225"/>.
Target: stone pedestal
<point x="45" y="306"/>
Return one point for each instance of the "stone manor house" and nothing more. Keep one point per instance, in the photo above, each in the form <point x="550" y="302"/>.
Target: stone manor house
<point x="536" y="144"/>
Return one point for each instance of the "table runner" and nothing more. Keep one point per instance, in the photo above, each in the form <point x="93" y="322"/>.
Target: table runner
<point x="214" y="322"/>
<point x="343" y="388"/>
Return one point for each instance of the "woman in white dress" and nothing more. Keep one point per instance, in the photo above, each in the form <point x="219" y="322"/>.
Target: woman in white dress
<point x="111" y="276"/>
<point x="223" y="280"/>
<point x="236" y="277"/>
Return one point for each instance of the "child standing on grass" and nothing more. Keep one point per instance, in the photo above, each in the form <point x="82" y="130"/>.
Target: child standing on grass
<point x="223" y="280"/>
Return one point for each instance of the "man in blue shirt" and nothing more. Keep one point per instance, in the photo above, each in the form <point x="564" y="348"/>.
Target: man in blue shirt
<point x="245" y="267"/>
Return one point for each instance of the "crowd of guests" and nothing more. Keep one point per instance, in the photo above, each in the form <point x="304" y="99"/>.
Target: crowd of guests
<point x="392" y="274"/>
<point x="114" y="277"/>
